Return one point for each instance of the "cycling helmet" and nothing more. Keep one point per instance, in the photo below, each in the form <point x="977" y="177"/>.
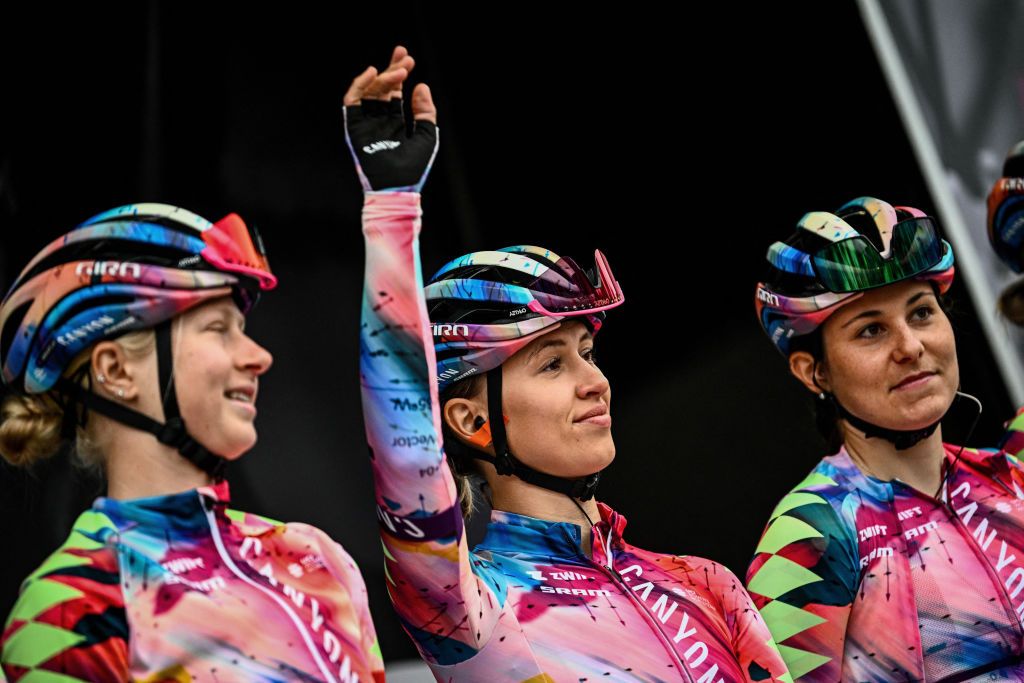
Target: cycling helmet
<point x="832" y="258"/>
<point x="487" y="305"/>
<point x="1006" y="211"/>
<point x="130" y="268"/>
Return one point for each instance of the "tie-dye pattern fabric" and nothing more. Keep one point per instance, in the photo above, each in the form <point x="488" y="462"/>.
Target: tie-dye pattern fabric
<point x="865" y="580"/>
<point x="179" y="588"/>
<point x="526" y="604"/>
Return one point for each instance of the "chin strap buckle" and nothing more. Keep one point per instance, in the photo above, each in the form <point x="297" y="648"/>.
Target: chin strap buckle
<point x="585" y="488"/>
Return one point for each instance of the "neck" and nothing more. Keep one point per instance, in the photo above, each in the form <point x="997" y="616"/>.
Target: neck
<point x="139" y="466"/>
<point x="919" y="466"/>
<point x="515" y="495"/>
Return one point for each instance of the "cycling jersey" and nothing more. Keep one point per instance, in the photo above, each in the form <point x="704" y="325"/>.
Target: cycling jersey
<point x="868" y="580"/>
<point x="527" y="604"/>
<point x="180" y="588"/>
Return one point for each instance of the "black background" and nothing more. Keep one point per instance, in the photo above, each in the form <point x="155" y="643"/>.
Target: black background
<point x="679" y="143"/>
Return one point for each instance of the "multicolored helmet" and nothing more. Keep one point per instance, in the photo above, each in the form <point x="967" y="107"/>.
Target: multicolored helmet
<point x="832" y="259"/>
<point x="487" y="305"/>
<point x="126" y="269"/>
<point x="1006" y="211"/>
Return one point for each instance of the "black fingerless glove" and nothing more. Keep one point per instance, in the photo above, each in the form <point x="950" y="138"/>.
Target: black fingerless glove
<point x="388" y="158"/>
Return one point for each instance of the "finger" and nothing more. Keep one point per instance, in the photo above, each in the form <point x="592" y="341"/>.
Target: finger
<point x="423" y="108"/>
<point x="398" y="54"/>
<point x="400" y="60"/>
<point x="360" y="83"/>
<point x="385" y="85"/>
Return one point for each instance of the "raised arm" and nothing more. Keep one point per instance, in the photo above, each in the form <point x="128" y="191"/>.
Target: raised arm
<point x="447" y="609"/>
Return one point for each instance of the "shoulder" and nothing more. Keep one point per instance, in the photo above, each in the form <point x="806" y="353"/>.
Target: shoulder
<point x="72" y="605"/>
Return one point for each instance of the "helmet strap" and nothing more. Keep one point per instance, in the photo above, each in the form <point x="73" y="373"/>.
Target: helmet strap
<point x="506" y="464"/>
<point x="171" y="433"/>
<point x="901" y="439"/>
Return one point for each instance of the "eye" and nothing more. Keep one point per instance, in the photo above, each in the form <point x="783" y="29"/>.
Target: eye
<point x="217" y="326"/>
<point x="922" y="313"/>
<point x="870" y="331"/>
<point x="589" y="355"/>
<point x="554" y="364"/>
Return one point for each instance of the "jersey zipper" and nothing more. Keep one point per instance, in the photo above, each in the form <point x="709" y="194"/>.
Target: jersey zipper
<point x="609" y="569"/>
<point x="230" y="564"/>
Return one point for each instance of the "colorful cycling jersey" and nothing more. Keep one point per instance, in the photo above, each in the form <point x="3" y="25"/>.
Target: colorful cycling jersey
<point x="868" y="580"/>
<point x="527" y="604"/>
<point x="179" y="588"/>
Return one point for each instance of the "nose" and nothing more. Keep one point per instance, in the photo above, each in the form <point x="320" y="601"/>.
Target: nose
<point x="254" y="357"/>
<point x="908" y="345"/>
<point x="592" y="382"/>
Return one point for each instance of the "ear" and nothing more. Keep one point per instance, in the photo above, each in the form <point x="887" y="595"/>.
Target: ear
<point x="113" y="375"/>
<point x="811" y="373"/>
<point x="465" y="417"/>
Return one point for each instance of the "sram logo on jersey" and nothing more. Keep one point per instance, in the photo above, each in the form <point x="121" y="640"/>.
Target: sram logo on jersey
<point x="109" y="268"/>
<point x="562" y="590"/>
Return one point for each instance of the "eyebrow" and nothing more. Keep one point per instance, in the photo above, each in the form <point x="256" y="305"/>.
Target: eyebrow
<point x="869" y="314"/>
<point x="557" y="342"/>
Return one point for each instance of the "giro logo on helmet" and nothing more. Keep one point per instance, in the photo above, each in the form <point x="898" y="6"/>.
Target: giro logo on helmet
<point x="109" y="268"/>
<point x="450" y="330"/>
<point x="767" y="297"/>
<point x="380" y="146"/>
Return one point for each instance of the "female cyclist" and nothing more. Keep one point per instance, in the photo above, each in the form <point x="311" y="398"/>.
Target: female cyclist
<point x="554" y="592"/>
<point x="899" y="557"/>
<point x="127" y="334"/>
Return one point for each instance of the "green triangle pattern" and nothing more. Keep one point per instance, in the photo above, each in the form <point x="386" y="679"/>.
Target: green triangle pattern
<point x="815" y="479"/>
<point x="778" y="576"/>
<point x="1016" y="424"/>
<point x="785" y="621"/>
<point x="91" y="522"/>
<point x="801" y="662"/>
<point x="238" y="517"/>
<point x="41" y="596"/>
<point x="35" y="643"/>
<point x="795" y="500"/>
<point x="783" y="531"/>
<point x="44" y="676"/>
<point x="375" y="650"/>
<point x="59" y="560"/>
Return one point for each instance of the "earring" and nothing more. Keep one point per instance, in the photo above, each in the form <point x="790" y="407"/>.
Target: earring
<point x="821" y="396"/>
<point x="120" y="393"/>
<point x="101" y="378"/>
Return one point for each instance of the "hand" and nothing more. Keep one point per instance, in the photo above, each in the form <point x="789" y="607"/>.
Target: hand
<point x="387" y="158"/>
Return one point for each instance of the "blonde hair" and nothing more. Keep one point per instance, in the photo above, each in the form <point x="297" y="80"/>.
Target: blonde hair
<point x="31" y="426"/>
<point x="468" y="479"/>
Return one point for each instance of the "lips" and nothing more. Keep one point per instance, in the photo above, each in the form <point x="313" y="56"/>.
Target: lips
<point x="598" y="415"/>
<point x="247" y="391"/>
<point x="910" y="380"/>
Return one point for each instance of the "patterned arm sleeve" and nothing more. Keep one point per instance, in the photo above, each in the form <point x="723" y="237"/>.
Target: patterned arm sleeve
<point x="69" y="622"/>
<point x="804" y="579"/>
<point x="445" y="607"/>
<point x="755" y="648"/>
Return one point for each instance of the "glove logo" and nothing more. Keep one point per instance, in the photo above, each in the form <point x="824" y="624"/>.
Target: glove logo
<point x="380" y="146"/>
